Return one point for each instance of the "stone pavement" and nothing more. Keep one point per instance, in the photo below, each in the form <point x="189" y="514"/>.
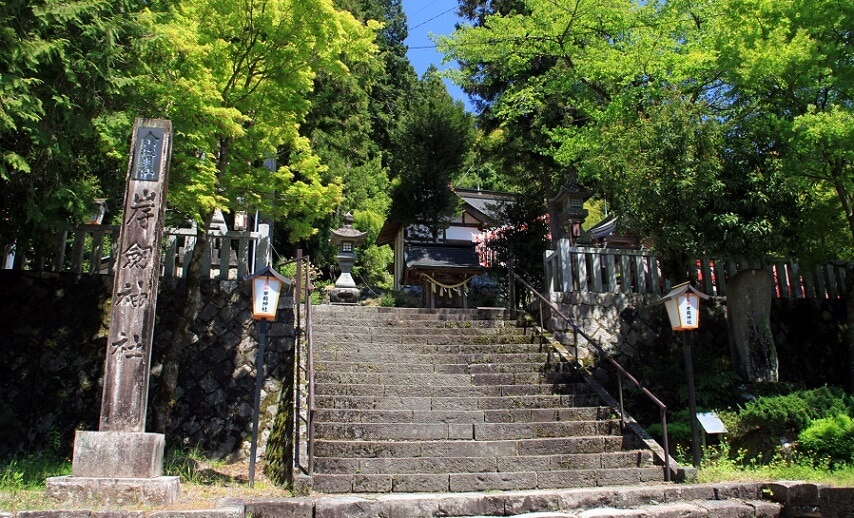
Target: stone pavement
<point x="719" y="500"/>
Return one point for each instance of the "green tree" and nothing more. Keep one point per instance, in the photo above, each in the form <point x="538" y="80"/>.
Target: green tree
<point x="388" y="98"/>
<point x="431" y="145"/>
<point x="631" y="96"/>
<point x="663" y="175"/>
<point x="349" y="125"/>
<point x="235" y="78"/>
<point x="789" y="68"/>
<point x="523" y="239"/>
<point x="65" y="68"/>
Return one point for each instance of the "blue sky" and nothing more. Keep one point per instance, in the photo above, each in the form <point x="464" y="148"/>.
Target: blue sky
<point x="425" y="17"/>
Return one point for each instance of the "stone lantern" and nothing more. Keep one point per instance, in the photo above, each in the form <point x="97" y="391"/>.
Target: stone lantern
<point x="570" y="206"/>
<point x="346" y="239"/>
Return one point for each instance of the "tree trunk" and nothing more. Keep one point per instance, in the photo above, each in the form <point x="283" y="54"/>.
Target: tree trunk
<point x="164" y="398"/>
<point x="749" y="297"/>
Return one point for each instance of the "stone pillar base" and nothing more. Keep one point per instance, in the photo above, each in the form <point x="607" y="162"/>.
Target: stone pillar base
<point x="344" y="295"/>
<point x="160" y="491"/>
<point x="116" y="468"/>
<point x="118" y="455"/>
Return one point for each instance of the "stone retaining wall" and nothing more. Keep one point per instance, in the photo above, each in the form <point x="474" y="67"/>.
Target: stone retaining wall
<point x="53" y="330"/>
<point x="53" y="339"/>
<point x="809" y="333"/>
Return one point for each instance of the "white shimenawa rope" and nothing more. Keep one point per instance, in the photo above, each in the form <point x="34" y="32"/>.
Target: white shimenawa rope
<point x="444" y="286"/>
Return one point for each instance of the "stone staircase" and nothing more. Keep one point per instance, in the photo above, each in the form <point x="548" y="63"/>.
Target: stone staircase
<point x="723" y="500"/>
<point x="415" y="400"/>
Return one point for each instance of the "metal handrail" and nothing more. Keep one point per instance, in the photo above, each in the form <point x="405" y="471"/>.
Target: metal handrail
<point x="620" y="369"/>
<point x="297" y="361"/>
<point x="303" y="279"/>
<point x="309" y="341"/>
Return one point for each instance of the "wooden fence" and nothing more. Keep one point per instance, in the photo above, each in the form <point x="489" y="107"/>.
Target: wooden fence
<point x="603" y="270"/>
<point x="88" y="249"/>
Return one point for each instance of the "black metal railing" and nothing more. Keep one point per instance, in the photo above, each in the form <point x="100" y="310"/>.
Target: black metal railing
<point x="304" y="370"/>
<point x="514" y="277"/>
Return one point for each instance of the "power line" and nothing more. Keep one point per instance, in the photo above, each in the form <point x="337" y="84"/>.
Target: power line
<point x="452" y="9"/>
<point x="425" y="7"/>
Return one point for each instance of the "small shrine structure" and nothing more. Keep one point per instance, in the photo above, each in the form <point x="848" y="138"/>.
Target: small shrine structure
<point x="443" y="268"/>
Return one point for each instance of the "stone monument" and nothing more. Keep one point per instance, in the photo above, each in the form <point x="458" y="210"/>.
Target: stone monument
<point x="121" y="463"/>
<point x="346" y="239"/>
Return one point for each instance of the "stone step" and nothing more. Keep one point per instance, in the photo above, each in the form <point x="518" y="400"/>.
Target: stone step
<point x="348" y="389"/>
<point x="402" y="341"/>
<point x="497" y="481"/>
<point x="325" y="311"/>
<point x="323" y="348"/>
<point x="454" y="448"/>
<point x="420" y="321"/>
<point x="452" y="431"/>
<point x="436" y="465"/>
<point x="428" y="368"/>
<point x="527" y="415"/>
<point x="365" y="331"/>
<point x="516" y="415"/>
<point x="647" y="500"/>
<point x="456" y="403"/>
<point x="698" y="508"/>
<point x="442" y="379"/>
<point x="523" y="378"/>
<point x="535" y="430"/>
<point x="435" y="357"/>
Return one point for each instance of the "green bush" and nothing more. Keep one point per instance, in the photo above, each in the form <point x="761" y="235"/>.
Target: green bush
<point x="829" y="441"/>
<point x="387" y="300"/>
<point x="316" y="298"/>
<point x="791" y="413"/>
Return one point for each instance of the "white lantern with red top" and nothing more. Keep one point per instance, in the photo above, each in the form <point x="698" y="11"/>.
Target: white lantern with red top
<point x="683" y="311"/>
<point x="683" y="307"/>
<point x="267" y="286"/>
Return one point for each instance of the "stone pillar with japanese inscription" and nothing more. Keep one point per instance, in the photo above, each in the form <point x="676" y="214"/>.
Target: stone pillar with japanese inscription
<point x="126" y="370"/>
<point x="121" y="452"/>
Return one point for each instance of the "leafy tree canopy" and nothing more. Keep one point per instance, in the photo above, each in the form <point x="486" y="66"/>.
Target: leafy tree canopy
<point x="431" y="144"/>
<point x="235" y="77"/>
<point x="702" y="123"/>
<point x="64" y="66"/>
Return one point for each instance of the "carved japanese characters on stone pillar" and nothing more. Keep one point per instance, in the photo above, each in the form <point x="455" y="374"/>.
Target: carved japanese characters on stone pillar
<point x="128" y="357"/>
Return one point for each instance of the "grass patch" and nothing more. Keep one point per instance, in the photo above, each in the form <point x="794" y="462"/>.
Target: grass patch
<point x="29" y="472"/>
<point x="204" y="481"/>
<point x="719" y="465"/>
<point x="22" y="480"/>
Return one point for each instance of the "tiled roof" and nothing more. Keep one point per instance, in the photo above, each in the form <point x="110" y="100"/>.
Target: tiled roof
<point x="441" y="257"/>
